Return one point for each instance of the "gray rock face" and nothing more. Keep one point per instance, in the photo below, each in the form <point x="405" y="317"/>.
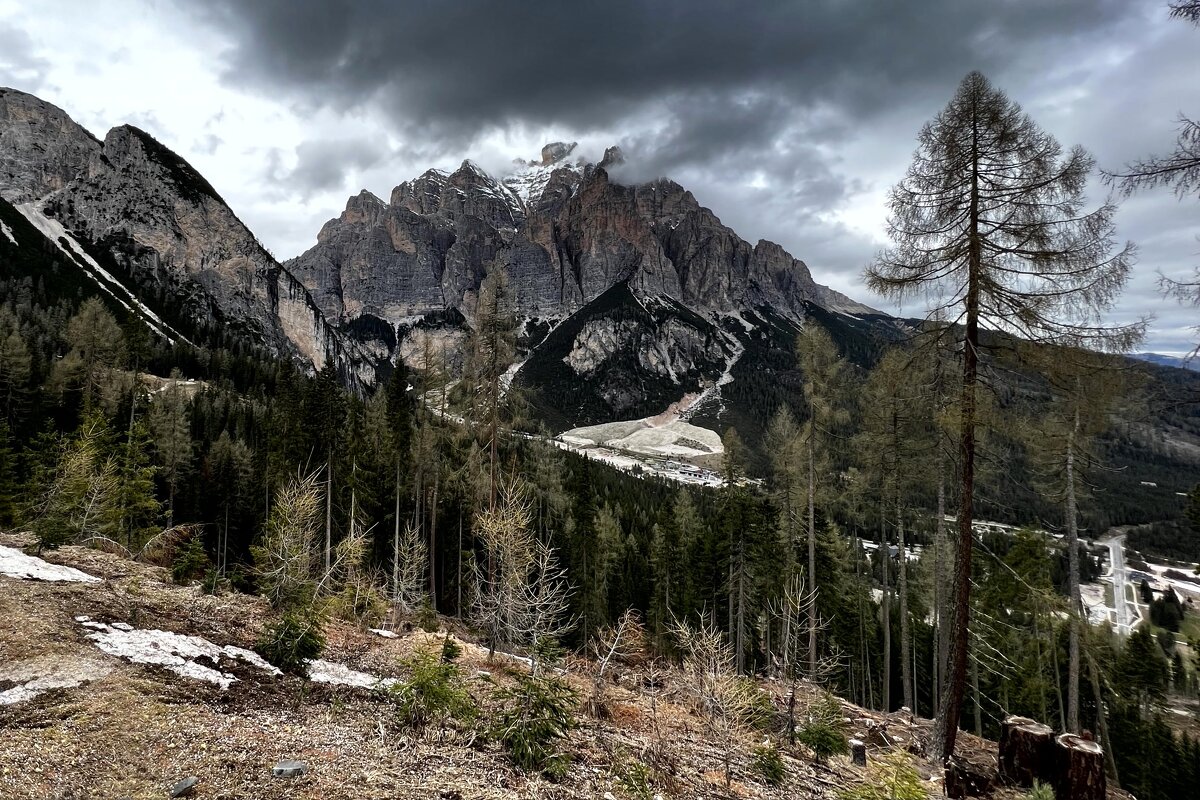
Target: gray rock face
<point x="164" y="226"/>
<point x="564" y="232"/>
<point x="41" y="148"/>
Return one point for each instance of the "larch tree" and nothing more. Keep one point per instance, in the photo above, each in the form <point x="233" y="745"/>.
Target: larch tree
<point x="325" y="416"/>
<point x="989" y="223"/>
<point x="821" y="366"/>
<point x="894" y="442"/>
<point x="1083" y="388"/>
<point x="491" y="348"/>
<point x="171" y="429"/>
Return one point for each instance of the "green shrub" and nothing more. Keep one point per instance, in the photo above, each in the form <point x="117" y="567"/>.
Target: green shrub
<point x="451" y="650"/>
<point x="534" y="716"/>
<point x="191" y="560"/>
<point x="635" y="781"/>
<point x="892" y="777"/>
<point x="433" y="695"/>
<point x="768" y="763"/>
<point x="292" y="642"/>
<point x="1040" y="791"/>
<point x="824" y="732"/>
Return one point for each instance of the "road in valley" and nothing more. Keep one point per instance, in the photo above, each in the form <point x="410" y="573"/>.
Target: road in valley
<point x="1125" y="616"/>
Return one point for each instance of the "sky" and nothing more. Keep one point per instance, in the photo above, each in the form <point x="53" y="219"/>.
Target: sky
<point x="791" y="120"/>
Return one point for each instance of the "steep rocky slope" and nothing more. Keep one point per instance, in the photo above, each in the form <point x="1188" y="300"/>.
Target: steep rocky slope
<point x="656" y="294"/>
<point x="161" y="230"/>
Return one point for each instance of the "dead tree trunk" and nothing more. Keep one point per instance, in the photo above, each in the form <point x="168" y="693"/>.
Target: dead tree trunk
<point x="1080" y="769"/>
<point x="1026" y="751"/>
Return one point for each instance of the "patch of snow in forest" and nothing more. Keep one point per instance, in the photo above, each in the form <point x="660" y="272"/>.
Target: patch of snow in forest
<point x="176" y="652"/>
<point x="322" y="671"/>
<point x="8" y="234"/>
<point x="37" y="675"/>
<point x="16" y="564"/>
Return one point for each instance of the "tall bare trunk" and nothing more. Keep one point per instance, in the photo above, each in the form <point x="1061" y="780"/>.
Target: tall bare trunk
<point x="885" y="559"/>
<point x="812" y="542"/>
<point x="1072" y="585"/>
<point x="329" y="511"/>
<point x="941" y="744"/>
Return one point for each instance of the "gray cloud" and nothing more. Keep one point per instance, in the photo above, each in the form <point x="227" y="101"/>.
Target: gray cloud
<point x="325" y="164"/>
<point x="780" y="115"/>
<point x="20" y="65"/>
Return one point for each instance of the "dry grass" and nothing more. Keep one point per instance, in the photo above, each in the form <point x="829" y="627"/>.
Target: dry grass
<point x="135" y="730"/>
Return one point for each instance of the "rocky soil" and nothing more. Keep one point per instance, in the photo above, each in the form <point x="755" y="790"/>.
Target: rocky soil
<point x="78" y="721"/>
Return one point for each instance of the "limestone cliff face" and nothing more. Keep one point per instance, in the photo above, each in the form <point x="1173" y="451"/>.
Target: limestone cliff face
<point x="564" y="231"/>
<point x="165" y="228"/>
<point x="41" y="148"/>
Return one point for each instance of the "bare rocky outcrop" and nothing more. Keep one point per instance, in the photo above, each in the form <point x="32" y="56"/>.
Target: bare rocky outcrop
<point x="163" y="228"/>
<point x="565" y="232"/>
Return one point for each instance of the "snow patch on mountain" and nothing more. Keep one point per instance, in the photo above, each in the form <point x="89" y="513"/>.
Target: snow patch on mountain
<point x="8" y="234"/>
<point x="53" y="230"/>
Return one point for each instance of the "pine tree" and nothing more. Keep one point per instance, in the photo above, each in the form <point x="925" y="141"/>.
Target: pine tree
<point x="133" y="510"/>
<point x="97" y="348"/>
<point x="15" y="370"/>
<point x="991" y="214"/>
<point x="171" y="429"/>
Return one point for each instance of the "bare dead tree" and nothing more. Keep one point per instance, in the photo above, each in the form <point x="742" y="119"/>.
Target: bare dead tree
<point x="522" y="596"/>
<point x="619" y="643"/>
<point x="726" y="701"/>
<point x="408" y="568"/>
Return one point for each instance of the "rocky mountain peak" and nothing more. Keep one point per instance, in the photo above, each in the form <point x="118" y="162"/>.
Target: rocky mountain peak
<point x="41" y="148"/>
<point x="554" y="152"/>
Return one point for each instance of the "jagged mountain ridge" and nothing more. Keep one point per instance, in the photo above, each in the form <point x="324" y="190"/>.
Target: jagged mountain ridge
<point x="166" y="235"/>
<point x="569" y="237"/>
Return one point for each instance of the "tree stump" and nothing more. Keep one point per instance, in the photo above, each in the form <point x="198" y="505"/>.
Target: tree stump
<point x="1026" y="752"/>
<point x="858" y="752"/>
<point x="964" y="779"/>
<point x="1080" y="769"/>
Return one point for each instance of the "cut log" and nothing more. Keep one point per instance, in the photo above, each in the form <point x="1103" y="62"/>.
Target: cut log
<point x="1080" y="769"/>
<point x="1026" y="752"/>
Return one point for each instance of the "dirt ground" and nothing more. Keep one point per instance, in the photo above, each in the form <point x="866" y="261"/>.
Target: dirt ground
<point x="133" y="730"/>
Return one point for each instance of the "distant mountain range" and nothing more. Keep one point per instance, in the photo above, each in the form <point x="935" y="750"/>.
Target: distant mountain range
<point x="1169" y="361"/>
<point x="631" y="298"/>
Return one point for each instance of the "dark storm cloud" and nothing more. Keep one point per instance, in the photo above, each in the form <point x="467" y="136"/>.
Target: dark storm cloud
<point x="455" y="69"/>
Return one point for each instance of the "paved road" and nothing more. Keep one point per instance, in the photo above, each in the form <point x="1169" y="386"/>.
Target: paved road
<point x="1126" y="617"/>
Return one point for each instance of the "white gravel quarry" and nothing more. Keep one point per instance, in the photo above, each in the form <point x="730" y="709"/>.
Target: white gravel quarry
<point x="16" y="564"/>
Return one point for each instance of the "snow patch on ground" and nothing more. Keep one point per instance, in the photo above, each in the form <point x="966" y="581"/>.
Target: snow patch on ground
<point x="8" y="234"/>
<point x="176" y="652"/>
<point x="322" y="671"/>
<point x="38" y="675"/>
<point x="16" y="564"/>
